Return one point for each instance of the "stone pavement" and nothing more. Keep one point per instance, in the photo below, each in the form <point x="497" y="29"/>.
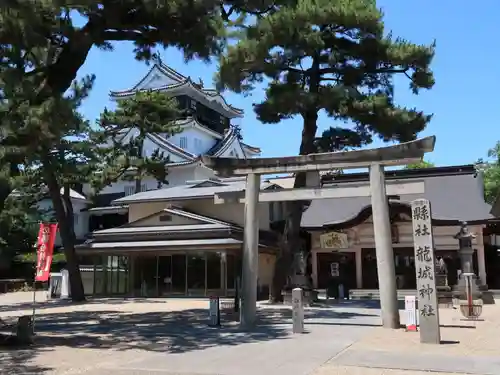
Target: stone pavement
<point x="467" y="348"/>
<point x="171" y="337"/>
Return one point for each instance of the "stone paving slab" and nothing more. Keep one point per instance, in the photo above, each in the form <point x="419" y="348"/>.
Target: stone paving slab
<point x="171" y="337"/>
<point x="290" y="355"/>
<point x="351" y="370"/>
<point x="420" y="362"/>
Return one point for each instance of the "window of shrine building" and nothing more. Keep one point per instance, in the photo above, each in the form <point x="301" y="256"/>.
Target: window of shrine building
<point x="165" y="218"/>
<point x="183" y="142"/>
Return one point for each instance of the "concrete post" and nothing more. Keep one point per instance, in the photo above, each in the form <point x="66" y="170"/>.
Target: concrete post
<point x="383" y="247"/>
<point x="297" y="311"/>
<point x="65" y="284"/>
<point x="250" y="261"/>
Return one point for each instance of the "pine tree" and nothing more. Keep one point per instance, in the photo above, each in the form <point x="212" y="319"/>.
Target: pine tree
<point x="122" y="133"/>
<point x="331" y="57"/>
<point x="422" y="164"/>
<point x="69" y="30"/>
<point x="58" y="157"/>
<point x="491" y="173"/>
<point x="43" y="45"/>
<point x="19" y="219"/>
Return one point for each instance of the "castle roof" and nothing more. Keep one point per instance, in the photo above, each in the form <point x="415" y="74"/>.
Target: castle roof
<point x="163" y="78"/>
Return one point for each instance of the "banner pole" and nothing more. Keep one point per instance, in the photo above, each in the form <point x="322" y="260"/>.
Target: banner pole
<point x="35" y="246"/>
<point x="34" y="307"/>
<point x="44" y="253"/>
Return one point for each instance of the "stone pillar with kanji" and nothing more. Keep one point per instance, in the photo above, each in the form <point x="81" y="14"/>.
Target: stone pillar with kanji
<point x="425" y="268"/>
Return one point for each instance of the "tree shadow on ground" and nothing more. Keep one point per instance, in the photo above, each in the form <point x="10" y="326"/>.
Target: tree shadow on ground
<point x="354" y="303"/>
<point x="319" y="316"/>
<point x="169" y="331"/>
<point x="18" y="361"/>
<point x="53" y="303"/>
<point x="174" y="331"/>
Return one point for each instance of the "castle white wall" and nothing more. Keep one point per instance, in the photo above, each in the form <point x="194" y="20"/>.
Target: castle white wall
<point x="193" y="140"/>
<point x="81" y="218"/>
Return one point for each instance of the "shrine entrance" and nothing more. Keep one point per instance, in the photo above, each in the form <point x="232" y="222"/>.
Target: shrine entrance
<point x="336" y="268"/>
<point x="374" y="159"/>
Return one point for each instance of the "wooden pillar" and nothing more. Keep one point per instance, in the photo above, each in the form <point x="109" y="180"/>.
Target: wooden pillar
<point x="132" y="275"/>
<point x="314" y="266"/>
<point x="359" y="268"/>
<point x="481" y="261"/>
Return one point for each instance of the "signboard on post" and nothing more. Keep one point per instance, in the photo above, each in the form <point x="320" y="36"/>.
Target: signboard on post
<point x="45" y="250"/>
<point x="411" y="313"/>
<point x="425" y="272"/>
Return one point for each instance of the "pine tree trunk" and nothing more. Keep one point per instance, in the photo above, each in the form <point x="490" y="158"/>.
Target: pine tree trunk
<point x="66" y="232"/>
<point x="290" y="238"/>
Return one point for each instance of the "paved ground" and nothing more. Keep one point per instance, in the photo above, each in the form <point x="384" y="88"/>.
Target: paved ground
<point x="171" y="337"/>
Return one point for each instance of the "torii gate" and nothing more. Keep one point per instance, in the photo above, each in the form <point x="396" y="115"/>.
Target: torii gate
<point x="374" y="159"/>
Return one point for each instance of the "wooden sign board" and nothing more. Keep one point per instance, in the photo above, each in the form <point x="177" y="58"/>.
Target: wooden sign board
<point x="334" y="241"/>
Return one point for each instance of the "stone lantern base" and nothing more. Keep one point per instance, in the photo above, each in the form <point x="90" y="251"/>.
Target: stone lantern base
<point x="309" y="295"/>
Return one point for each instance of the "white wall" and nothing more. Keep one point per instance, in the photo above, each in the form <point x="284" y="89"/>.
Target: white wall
<point x="206" y="142"/>
<point x="176" y="176"/>
<point x="81" y="218"/>
<point x="148" y="148"/>
<point x="234" y="151"/>
<point x="156" y="79"/>
<point x="362" y="236"/>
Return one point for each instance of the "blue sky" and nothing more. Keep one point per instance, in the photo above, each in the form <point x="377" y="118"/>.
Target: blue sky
<point x="463" y="100"/>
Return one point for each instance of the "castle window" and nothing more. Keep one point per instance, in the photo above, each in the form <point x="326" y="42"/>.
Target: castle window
<point x="193" y="104"/>
<point x="183" y="142"/>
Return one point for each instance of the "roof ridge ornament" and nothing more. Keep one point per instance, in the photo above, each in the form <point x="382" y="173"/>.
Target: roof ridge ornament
<point x="156" y="58"/>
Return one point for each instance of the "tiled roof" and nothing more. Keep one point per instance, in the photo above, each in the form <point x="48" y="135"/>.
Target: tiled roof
<point x="169" y="146"/>
<point x="453" y="197"/>
<point x="188" y="191"/>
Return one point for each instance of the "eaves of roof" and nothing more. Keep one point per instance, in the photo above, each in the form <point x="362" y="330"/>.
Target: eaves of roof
<point x="169" y="146"/>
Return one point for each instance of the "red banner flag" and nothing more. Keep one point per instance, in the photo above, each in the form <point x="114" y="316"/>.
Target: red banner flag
<point x="45" y="249"/>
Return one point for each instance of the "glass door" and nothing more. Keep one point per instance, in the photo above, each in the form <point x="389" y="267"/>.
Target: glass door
<point x="178" y="274"/>
<point x="214" y="274"/>
<point x="165" y="275"/>
<point x="146" y="279"/>
<point x="196" y="274"/>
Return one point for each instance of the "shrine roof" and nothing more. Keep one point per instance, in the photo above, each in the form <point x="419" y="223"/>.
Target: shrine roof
<point x="455" y="194"/>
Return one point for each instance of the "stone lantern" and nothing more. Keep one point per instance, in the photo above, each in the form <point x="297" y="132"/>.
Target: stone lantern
<point x="466" y="293"/>
<point x="465" y="250"/>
